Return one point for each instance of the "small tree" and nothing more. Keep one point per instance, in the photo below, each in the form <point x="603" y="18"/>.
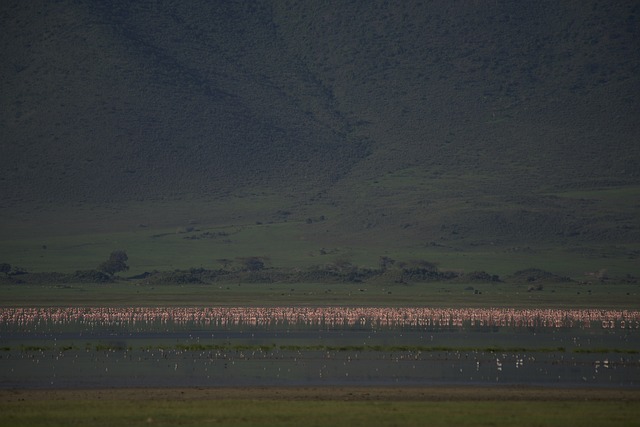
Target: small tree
<point x="117" y="262"/>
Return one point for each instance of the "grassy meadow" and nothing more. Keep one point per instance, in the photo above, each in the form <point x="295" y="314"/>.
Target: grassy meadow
<point x="323" y="406"/>
<point x="197" y="234"/>
<point x="439" y="294"/>
<point x="215" y="235"/>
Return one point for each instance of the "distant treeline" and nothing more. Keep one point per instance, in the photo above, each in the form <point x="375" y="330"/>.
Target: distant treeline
<point x="254" y="270"/>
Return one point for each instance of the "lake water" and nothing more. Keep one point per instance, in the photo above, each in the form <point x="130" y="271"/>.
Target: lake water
<point x="43" y="353"/>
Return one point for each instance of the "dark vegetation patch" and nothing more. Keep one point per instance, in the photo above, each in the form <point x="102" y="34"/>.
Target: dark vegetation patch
<point x="177" y="277"/>
<point x="480" y="277"/>
<point x="537" y="276"/>
<point x="44" y="278"/>
<point x="339" y="272"/>
<point x="536" y="279"/>
<point x="90" y="276"/>
<point x="255" y="269"/>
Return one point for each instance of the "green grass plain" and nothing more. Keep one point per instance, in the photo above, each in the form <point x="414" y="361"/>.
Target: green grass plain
<point x="172" y="235"/>
<point x="319" y="407"/>
<point x="437" y="294"/>
<point x="203" y="234"/>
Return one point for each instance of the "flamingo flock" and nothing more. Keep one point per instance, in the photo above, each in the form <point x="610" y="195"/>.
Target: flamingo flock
<point x="322" y="317"/>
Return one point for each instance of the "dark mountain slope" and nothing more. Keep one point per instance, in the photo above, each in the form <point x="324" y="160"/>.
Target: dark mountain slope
<point x="135" y="102"/>
<point x="433" y="120"/>
<point x="477" y="110"/>
<point x="491" y="85"/>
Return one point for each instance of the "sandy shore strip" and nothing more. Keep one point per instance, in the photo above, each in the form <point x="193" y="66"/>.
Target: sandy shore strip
<point x="436" y="393"/>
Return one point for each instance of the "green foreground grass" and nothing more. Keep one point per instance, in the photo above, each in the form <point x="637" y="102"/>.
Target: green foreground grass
<point x="328" y="406"/>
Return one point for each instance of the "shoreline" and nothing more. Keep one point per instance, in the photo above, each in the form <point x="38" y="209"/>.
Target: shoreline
<point x="334" y="393"/>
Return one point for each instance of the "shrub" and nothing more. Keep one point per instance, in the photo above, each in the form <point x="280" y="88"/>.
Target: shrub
<point x="90" y="276"/>
<point x="5" y="268"/>
<point x="253" y="263"/>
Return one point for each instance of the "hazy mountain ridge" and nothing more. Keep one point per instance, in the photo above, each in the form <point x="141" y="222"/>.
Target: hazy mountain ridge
<point x="438" y="120"/>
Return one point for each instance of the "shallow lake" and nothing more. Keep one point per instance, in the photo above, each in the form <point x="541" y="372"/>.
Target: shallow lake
<point x="44" y="352"/>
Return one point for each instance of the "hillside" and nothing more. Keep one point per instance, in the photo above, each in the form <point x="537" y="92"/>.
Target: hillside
<point x="478" y="112"/>
<point x="130" y="102"/>
<point x="398" y="124"/>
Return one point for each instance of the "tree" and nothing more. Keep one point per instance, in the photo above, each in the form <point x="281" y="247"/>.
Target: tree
<point x="117" y="262"/>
